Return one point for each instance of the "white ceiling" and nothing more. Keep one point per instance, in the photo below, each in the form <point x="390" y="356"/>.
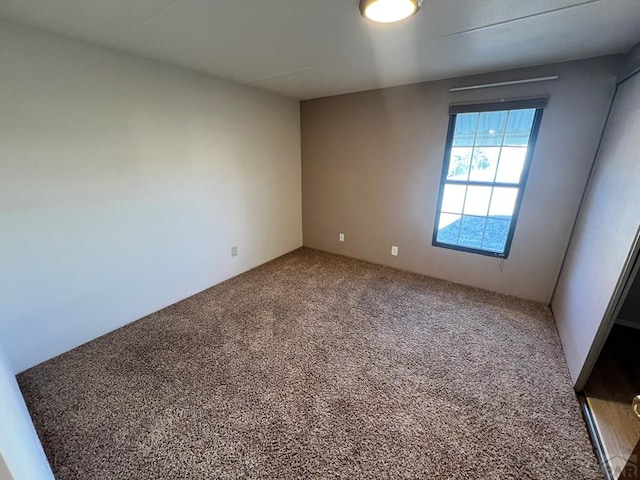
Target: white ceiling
<point x="312" y="48"/>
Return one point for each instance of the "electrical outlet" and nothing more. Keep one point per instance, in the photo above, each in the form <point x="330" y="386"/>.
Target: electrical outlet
<point x="341" y="237"/>
<point x="394" y="251"/>
<point x="234" y="251"/>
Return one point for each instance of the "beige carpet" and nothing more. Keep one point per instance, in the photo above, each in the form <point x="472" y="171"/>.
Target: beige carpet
<point x="318" y="366"/>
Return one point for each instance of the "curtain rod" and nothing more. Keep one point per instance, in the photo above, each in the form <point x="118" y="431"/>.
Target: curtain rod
<point x="502" y="84"/>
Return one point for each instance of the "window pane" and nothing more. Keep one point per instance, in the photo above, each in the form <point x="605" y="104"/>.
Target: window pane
<point x="459" y="163"/>
<point x="491" y="128"/>
<point x="448" y="228"/>
<point x="484" y="163"/>
<point x="503" y="202"/>
<point x="511" y="164"/>
<point x="453" y="198"/>
<point x="495" y="234"/>
<point x="487" y="158"/>
<point x="465" y="131"/>
<point x="477" y="201"/>
<point x="519" y="127"/>
<point x="471" y="229"/>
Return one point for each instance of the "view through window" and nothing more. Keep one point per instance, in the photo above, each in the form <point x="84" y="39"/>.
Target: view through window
<point x="484" y="173"/>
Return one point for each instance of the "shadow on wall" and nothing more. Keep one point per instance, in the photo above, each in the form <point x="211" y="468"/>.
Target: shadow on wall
<point x="630" y="313"/>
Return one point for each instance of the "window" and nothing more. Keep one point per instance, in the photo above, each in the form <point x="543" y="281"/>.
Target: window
<point x="488" y="151"/>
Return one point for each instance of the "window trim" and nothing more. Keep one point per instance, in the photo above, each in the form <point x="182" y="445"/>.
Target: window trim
<point x="539" y="105"/>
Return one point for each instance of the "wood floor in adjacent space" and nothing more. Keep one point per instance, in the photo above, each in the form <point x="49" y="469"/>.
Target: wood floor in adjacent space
<point x="614" y="383"/>
<point x="318" y="366"/>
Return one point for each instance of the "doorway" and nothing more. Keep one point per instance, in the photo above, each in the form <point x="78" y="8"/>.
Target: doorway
<point x="611" y="397"/>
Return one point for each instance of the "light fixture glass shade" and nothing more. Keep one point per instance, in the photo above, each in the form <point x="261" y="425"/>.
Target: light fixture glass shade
<point x="388" y="11"/>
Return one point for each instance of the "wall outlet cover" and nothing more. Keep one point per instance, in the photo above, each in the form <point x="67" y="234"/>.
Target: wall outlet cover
<point x="234" y="251"/>
<point x="341" y="237"/>
<point x="394" y="251"/>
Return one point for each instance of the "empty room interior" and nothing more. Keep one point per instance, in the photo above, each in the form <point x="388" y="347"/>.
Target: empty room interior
<point x="332" y="239"/>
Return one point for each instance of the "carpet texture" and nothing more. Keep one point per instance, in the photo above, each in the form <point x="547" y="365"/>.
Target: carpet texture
<point x="318" y="366"/>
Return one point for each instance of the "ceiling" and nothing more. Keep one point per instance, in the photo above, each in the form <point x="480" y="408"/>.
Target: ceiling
<point x="312" y="48"/>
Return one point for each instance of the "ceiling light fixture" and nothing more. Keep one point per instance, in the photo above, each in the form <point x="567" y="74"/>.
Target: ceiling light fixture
<point x="389" y="11"/>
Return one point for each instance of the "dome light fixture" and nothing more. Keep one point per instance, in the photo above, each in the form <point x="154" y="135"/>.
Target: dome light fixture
<point x="389" y="11"/>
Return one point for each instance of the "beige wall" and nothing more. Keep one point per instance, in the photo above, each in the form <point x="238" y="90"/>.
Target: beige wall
<point x="124" y="184"/>
<point x="371" y="165"/>
<point x="604" y="237"/>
